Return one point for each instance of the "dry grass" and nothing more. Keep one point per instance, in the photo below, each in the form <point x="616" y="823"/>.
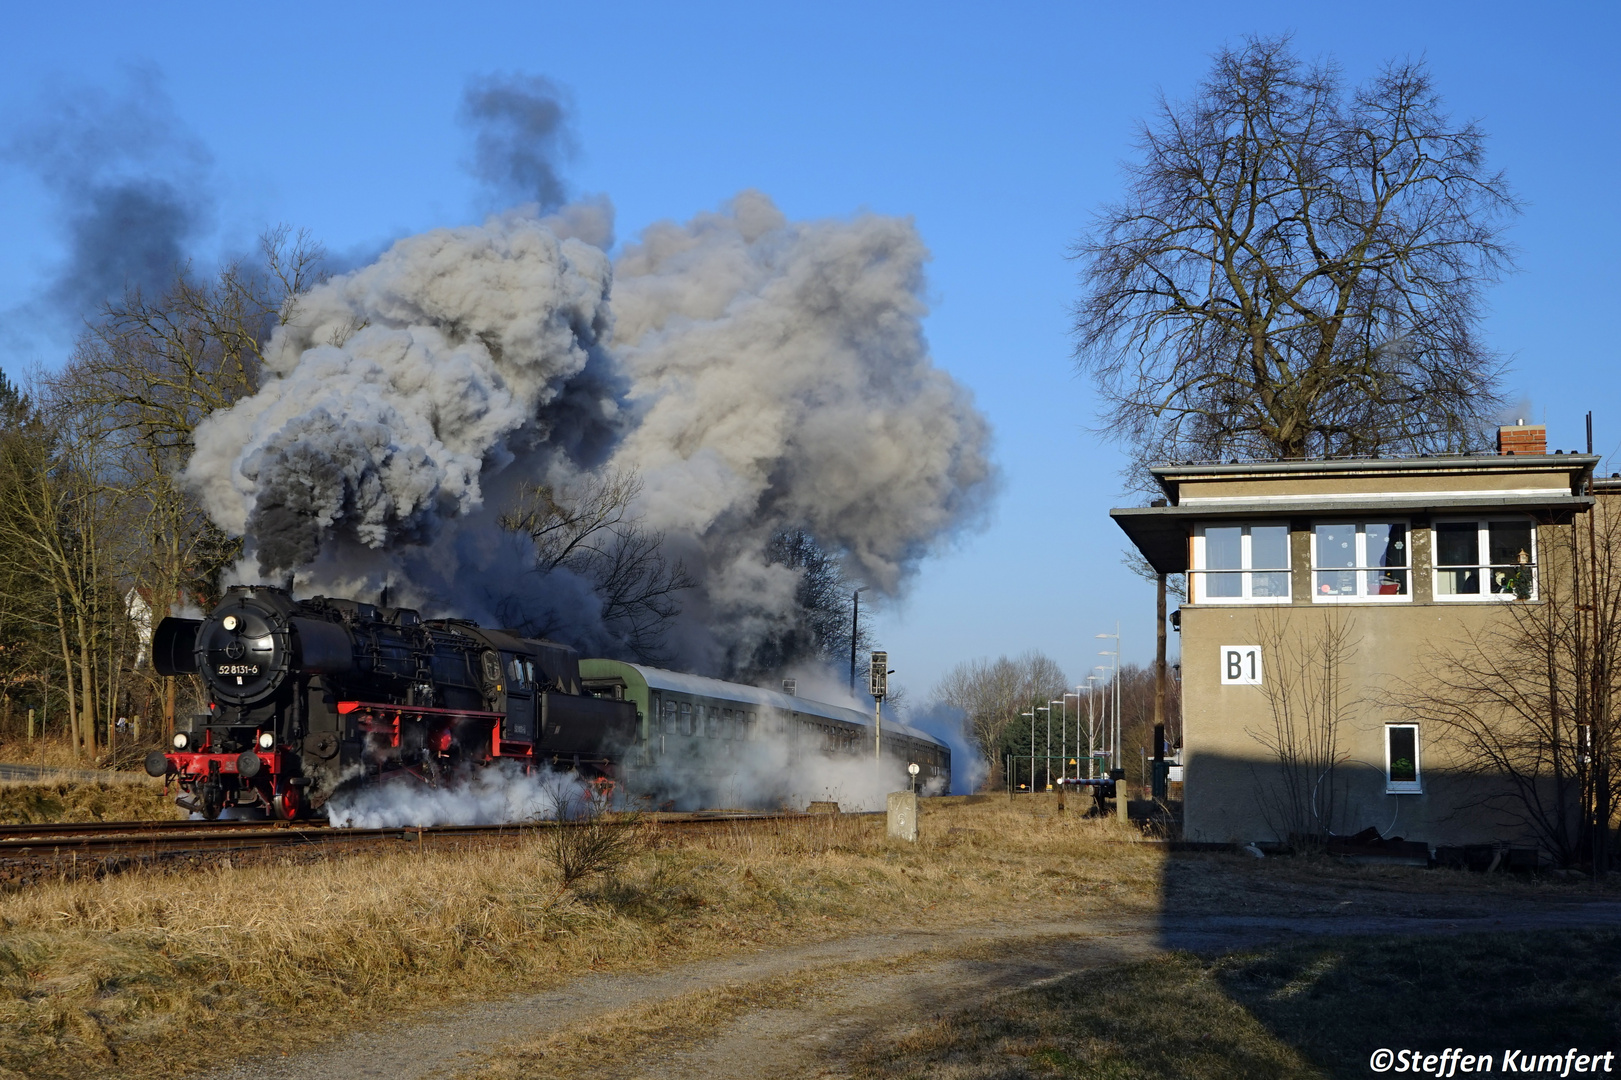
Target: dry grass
<point x="54" y="752"/>
<point x="101" y="975"/>
<point x="105" y="976"/>
<point x="121" y="797"/>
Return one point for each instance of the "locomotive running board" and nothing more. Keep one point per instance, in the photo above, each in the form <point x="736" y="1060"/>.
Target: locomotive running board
<point x="346" y="707"/>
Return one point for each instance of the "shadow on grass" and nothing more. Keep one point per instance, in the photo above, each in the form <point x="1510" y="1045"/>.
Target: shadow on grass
<point x="1299" y="968"/>
<point x="1306" y="1009"/>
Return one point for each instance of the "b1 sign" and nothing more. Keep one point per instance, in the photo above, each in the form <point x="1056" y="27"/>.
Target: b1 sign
<point x="1241" y="665"/>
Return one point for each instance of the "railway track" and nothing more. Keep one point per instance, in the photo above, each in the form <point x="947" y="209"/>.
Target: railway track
<point x="148" y="838"/>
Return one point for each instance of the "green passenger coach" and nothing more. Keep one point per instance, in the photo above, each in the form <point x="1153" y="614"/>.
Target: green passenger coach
<point x="706" y="743"/>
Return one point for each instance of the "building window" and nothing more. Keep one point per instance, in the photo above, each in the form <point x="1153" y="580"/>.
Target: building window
<point x="1241" y="564"/>
<point x="1401" y="759"/>
<point x="1485" y="560"/>
<point x="1360" y="561"/>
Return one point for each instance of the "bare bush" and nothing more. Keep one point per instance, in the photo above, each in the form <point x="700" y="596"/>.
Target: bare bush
<point x="1308" y="705"/>
<point x="589" y="839"/>
<point x="1527" y="707"/>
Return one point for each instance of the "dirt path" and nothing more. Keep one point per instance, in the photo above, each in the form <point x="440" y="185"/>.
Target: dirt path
<point x="862" y="985"/>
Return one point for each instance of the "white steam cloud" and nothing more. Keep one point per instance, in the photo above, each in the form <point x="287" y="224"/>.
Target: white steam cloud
<point x="498" y="795"/>
<point x="758" y="375"/>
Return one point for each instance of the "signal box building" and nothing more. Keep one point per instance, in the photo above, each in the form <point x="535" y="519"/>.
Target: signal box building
<point x="1318" y="593"/>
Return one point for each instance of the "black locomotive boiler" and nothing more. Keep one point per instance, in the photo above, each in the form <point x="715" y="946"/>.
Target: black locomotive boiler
<point x="306" y="696"/>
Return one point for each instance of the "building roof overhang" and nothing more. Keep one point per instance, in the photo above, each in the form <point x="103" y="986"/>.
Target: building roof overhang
<point x="1161" y="533"/>
<point x="1170" y="476"/>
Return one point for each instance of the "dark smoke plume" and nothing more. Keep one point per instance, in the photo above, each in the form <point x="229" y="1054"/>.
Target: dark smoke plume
<point x="129" y="182"/>
<point x="520" y="138"/>
<point x="757" y="375"/>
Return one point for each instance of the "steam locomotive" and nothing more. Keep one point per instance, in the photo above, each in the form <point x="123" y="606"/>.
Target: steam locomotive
<point x="306" y="696"/>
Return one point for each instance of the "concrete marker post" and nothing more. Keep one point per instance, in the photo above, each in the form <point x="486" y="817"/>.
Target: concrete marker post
<point x="903" y="816"/>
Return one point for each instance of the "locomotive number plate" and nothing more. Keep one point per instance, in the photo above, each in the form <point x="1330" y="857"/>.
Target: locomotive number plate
<point x="237" y="669"/>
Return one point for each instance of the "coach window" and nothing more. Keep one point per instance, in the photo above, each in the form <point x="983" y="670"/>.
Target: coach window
<point x="1485" y="560"/>
<point x="686" y="718"/>
<point x="1401" y="759"/>
<point x="1241" y="564"/>
<point x="711" y="721"/>
<point x="1362" y="561"/>
<point x="668" y="727"/>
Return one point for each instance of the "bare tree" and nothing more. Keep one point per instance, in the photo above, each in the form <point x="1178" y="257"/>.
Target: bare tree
<point x="55" y="526"/>
<point x="992" y="693"/>
<point x="149" y="370"/>
<point x="1309" y="704"/>
<point x="27" y="602"/>
<point x="590" y="530"/>
<point x="1296" y="269"/>
<point x="821" y="620"/>
<point x="1527" y="706"/>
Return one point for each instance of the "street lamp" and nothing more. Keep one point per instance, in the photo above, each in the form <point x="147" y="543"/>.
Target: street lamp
<point x="1060" y="703"/>
<point x="1116" y="655"/>
<point x="1091" y="724"/>
<point x="1063" y="733"/>
<point x="1032" y="715"/>
<point x="1107" y="719"/>
<point x="1078" y="688"/>
<point x="1033" y="711"/>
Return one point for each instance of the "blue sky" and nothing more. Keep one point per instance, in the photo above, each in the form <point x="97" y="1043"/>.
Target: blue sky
<point x="999" y="129"/>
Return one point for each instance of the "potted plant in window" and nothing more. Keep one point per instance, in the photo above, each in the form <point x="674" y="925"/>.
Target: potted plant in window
<point x="1517" y="581"/>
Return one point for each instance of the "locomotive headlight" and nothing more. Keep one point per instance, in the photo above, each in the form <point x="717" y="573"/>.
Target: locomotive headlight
<point x="229" y="622"/>
<point x="180" y="740"/>
<point x="266" y="740"/>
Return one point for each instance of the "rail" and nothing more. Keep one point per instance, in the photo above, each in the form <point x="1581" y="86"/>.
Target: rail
<point x="147" y="838"/>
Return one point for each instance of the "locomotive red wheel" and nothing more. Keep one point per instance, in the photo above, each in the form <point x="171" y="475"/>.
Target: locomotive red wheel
<point x="286" y="805"/>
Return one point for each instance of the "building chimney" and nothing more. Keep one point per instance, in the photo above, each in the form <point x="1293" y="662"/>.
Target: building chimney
<point x="1522" y="438"/>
